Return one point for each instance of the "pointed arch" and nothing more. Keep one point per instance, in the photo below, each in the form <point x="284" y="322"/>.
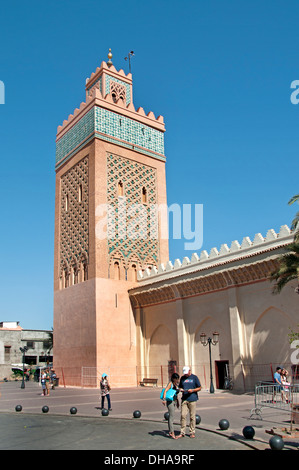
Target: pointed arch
<point x="162" y="346"/>
<point x="120" y="189"/>
<point x="269" y="340"/>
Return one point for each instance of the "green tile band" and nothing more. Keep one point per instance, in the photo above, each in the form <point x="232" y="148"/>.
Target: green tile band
<point x="107" y="125"/>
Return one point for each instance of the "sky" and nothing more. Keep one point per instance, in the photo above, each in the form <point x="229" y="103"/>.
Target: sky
<point x="219" y="72"/>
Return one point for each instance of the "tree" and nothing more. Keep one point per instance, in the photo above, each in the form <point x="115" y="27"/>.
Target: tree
<point x="288" y="267"/>
<point x="288" y="264"/>
<point x="295" y="222"/>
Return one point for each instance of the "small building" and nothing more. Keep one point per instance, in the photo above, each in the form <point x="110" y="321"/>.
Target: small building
<point x="13" y="337"/>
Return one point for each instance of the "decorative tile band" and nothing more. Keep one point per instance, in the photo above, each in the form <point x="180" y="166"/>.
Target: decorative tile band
<point x="108" y="125"/>
<point x="127" y="129"/>
<point x="75" y="135"/>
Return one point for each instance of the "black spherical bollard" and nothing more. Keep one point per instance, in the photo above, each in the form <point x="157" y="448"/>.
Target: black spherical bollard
<point x="197" y="419"/>
<point x="18" y="408"/>
<point x="45" y="409"/>
<point x="248" y="432"/>
<point x="276" y="443"/>
<point x="136" y="414"/>
<point x="73" y="410"/>
<point x="105" y="412"/>
<point x="223" y="424"/>
<point x="166" y="415"/>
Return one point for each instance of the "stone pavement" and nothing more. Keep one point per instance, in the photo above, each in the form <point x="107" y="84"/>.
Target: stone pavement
<point x="88" y="429"/>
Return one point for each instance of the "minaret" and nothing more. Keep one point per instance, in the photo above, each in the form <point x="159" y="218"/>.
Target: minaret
<point x="109" y="160"/>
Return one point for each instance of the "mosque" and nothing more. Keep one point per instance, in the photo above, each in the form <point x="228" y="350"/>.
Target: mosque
<point x="120" y="305"/>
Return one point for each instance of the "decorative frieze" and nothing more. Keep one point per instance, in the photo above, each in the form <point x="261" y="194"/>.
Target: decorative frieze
<point x="203" y="284"/>
<point x="225" y="255"/>
<point x="107" y="125"/>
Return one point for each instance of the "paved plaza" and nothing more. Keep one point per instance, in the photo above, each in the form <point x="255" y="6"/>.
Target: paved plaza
<point x="89" y="430"/>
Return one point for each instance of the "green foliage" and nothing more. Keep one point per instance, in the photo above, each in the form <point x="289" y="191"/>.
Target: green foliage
<point x="295" y="222"/>
<point x="17" y="373"/>
<point x="288" y="268"/>
<point x="293" y="336"/>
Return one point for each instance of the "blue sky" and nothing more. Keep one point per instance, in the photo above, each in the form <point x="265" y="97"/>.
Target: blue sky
<point x="220" y="74"/>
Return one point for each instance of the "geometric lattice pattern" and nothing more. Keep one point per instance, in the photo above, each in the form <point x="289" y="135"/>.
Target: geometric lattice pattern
<point x="74" y="236"/>
<point x="117" y="91"/>
<point x="111" y="84"/>
<point x="133" y="242"/>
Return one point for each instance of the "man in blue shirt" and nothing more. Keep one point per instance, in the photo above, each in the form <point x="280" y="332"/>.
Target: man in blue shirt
<point x="277" y="382"/>
<point x="189" y="385"/>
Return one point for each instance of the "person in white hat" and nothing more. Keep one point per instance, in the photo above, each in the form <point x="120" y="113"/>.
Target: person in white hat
<point x="189" y="385"/>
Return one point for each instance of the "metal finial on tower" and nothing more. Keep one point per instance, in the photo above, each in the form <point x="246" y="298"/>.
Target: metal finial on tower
<point x="129" y="59"/>
<point x="109" y="63"/>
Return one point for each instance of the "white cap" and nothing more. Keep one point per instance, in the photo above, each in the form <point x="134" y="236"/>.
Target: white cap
<point x="186" y="369"/>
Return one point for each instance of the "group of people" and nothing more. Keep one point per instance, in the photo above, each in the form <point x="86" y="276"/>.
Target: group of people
<point x="281" y="384"/>
<point x="188" y="385"/>
<point x="47" y="380"/>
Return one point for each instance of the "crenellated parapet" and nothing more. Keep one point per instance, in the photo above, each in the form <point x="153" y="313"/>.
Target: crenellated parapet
<point x="109" y="114"/>
<point x="217" y="257"/>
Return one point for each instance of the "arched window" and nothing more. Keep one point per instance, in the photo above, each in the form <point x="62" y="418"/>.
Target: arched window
<point x="120" y="189"/>
<point x="134" y="273"/>
<point x="66" y="278"/>
<point x="76" y="274"/>
<point x="85" y="272"/>
<point x="116" y="271"/>
<point x="144" y="195"/>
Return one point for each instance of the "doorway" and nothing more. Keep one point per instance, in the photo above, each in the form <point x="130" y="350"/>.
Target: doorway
<point x="221" y="368"/>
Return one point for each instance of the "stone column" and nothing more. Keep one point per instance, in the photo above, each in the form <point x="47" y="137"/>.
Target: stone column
<point x="182" y="334"/>
<point x="237" y="336"/>
<point x="140" y="340"/>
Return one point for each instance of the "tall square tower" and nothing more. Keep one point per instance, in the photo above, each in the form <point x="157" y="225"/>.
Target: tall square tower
<point x="109" y="161"/>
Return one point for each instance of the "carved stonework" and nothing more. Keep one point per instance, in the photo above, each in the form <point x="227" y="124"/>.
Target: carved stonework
<point x="204" y="284"/>
<point x="130" y="184"/>
<point x="117" y="91"/>
<point x="74" y="232"/>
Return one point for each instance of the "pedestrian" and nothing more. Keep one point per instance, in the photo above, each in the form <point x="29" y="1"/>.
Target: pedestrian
<point x="47" y="381"/>
<point x="189" y="385"/>
<point x="285" y="385"/>
<point x="171" y="401"/>
<point x="43" y="382"/>
<point x="105" y="391"/>
<point x="277" y="383"/>
<point x="53" y="378"/>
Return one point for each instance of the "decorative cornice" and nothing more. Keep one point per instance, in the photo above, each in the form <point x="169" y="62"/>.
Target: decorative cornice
<point x="243" y="264"/>
<point x="215" y="258"/>
<point x="203" y="284"/>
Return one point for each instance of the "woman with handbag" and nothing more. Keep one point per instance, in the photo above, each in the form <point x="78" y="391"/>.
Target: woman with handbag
<point x="105" y="391"/>
<point x="170" y="399"/>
